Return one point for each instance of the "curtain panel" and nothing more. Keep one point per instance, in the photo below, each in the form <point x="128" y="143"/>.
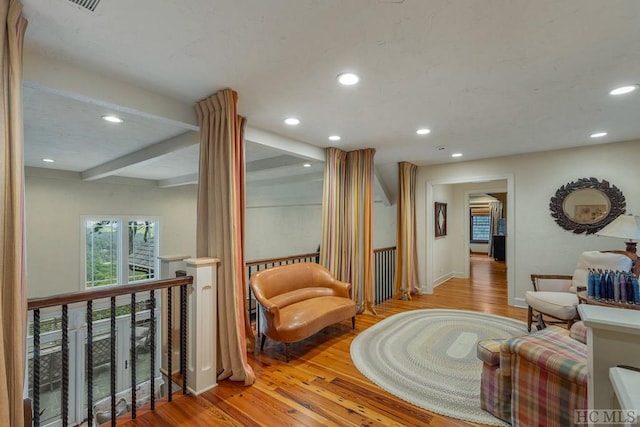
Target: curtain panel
<point x="495" y="213"/>
<point x="406" y="278"/>
<point x="347" y="222"/>
<point x="13" y="301"/>
<point x="220" y="227"/>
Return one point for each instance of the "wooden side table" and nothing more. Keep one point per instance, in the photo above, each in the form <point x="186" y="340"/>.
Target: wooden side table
<point x="582" y="296"/>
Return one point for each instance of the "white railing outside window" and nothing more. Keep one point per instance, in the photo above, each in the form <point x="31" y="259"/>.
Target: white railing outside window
<point x="51" y="359"/>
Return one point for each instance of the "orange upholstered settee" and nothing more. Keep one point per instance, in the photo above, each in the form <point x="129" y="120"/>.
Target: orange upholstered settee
<point x="299" y="300"/>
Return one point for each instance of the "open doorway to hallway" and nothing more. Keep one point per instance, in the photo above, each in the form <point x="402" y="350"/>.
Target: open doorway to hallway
<point x="449" y="256"/>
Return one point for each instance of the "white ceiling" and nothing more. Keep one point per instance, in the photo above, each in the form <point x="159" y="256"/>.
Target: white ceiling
<point x="489" y="78"/>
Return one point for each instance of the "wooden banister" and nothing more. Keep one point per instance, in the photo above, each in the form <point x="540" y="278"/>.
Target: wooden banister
<point x="111" y="291"/>
<point x="281" y="259"/>
<point x="390" y="248"/>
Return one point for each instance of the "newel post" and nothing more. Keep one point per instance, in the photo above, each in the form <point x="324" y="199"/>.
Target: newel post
<point x="201" y="366"/>
<point x="168" y="266"/>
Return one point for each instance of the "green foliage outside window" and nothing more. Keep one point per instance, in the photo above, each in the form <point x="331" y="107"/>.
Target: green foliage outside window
<point x="103" y="243"/>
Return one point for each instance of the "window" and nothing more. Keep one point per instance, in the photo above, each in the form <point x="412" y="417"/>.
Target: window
<point x="119" y="250"/>
<point x="480" y="227"/>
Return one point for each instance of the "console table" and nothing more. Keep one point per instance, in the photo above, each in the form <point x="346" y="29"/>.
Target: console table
<point x="613" y="339"/>
<point x="626" y="384"/>
<point x="582" y="296"/>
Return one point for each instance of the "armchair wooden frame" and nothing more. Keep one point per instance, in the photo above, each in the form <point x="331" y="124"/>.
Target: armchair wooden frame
<point x="538" y="316"/>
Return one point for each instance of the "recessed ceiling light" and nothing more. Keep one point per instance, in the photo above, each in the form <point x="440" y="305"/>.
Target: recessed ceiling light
<point x="598" y="134"/>
<point x="456" y="155"/>
<point x="623" y="89"/>
<point x="334" y="138"/>
<point x="307" y="165"/>
<point x="292" y="121"/>
<point x="48" y="160"/>
<point x="112" y="119"/>
<point x="348" y="79"/>
<point x="423" y="131"/>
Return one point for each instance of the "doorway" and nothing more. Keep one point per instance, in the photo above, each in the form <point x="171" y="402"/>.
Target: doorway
<point x="458" y="249"/>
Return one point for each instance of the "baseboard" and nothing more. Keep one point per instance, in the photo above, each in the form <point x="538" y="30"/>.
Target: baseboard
<point x="519" y="302"/>
<point x="196" y="393"/>
<point x="440" y="280"/>
<point x="423" y="291"/>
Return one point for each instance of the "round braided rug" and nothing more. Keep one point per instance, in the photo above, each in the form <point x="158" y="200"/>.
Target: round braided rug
<point x="428" y="358"/>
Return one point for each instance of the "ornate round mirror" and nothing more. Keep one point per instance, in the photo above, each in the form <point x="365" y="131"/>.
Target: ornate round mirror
<point x="586" y="205"/>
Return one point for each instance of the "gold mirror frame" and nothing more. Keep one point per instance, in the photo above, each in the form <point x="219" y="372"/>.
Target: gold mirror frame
<point x="616" y="205"/>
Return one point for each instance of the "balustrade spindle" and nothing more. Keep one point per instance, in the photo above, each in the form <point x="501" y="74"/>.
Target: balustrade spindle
<point x="169" y="341"/>
<point x="112" y="358"/>
<point x="132" y="355"/>
<point x="36" y="367"/>
<point x="152" y="345"/>
<point x="89" y="361"/>
<point x="183" y="337"/>
<point x="65" y="365"/>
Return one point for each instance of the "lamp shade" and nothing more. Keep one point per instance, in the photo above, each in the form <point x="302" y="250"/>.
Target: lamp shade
<point x="623" y="227"/>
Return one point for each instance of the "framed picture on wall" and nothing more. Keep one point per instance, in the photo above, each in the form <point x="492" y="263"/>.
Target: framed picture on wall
<point x="441" y="219"/>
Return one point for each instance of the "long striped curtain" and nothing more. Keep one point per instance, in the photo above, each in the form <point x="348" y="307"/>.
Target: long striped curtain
<point x="406" y="280"/>
<point x="347" y="222"/>
<point x="13" y="301"/>
<point x="220" y="226"/>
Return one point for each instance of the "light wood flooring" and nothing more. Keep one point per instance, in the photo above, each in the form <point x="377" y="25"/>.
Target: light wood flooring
<point x="320" y="386"/>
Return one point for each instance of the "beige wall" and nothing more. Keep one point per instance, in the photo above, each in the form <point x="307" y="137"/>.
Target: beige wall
<point x="538" y="244"/>
<point x="56" y="200"/>
<point x="288" y="230"/>
<point x="443" y="268"/>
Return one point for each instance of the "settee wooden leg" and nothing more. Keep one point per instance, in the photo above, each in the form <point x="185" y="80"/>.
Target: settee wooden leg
<point x="286" y="352"/>
<point x="353" y="322"/>
<point x="529" y="318"/>
<point x="262" y="340"/>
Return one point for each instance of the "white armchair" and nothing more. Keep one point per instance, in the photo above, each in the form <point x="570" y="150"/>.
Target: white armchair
<point x="555" y="295"/>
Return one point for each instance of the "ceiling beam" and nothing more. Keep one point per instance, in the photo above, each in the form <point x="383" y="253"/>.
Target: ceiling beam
<point x="286" y="180"/>
<point x="177" y="181"/>
<point x="284" y="144"/>
<point x="82" y="84"/>
<point x="87" y="85"/>
<point x="273" y="163"/>
<point x="141" y="156"/>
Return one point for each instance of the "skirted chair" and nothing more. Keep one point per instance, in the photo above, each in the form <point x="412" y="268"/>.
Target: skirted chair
<point x="535" y="380"/>
<point x="555" y="296"/>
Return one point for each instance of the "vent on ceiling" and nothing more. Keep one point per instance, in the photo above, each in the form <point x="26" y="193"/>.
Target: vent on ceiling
<point x="87" y="4"/>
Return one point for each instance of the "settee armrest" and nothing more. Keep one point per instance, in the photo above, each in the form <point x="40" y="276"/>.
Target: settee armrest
<point x="341" y="289"/>
<point x="272" y="315"/>
<point x="551" y="282"/>
<point x="271" y="310"/>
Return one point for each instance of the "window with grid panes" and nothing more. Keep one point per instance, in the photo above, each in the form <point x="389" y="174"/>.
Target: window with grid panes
<point x="119" y="250"/>
<point x="480" y="224"/>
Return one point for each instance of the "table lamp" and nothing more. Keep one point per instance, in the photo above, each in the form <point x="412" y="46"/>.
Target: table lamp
<point x="624" y="227"/>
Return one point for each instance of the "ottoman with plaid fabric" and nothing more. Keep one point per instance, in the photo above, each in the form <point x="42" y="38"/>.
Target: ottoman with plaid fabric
<point x="537" y="379"/>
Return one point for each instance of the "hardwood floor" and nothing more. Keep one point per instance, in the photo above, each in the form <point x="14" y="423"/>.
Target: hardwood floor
<point x="320" y="386"/>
